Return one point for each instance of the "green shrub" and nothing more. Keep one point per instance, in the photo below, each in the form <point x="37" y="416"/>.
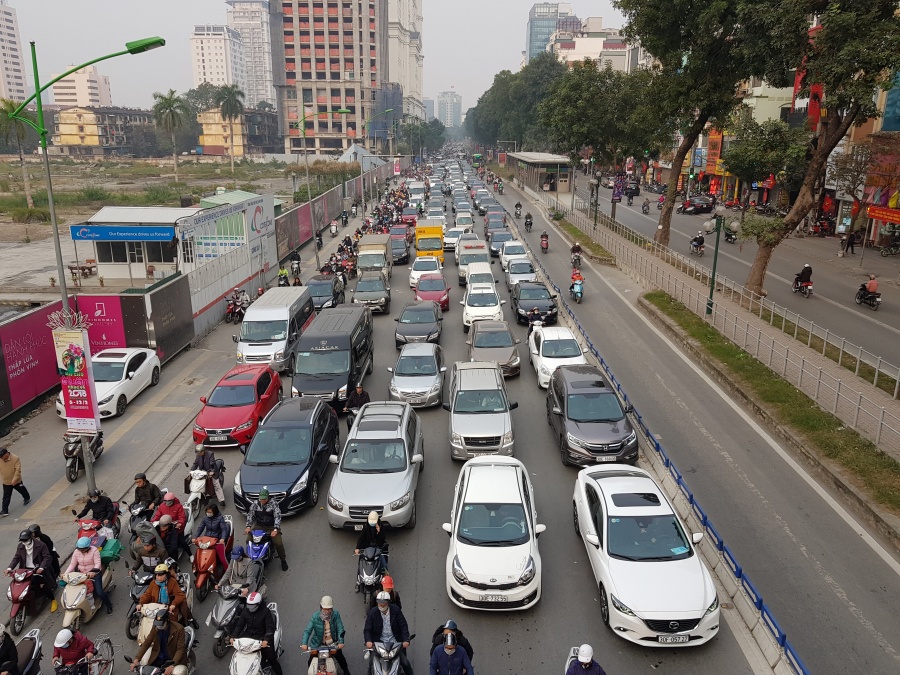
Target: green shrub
<point x="26" y="215"/>
<point x="94" y="194"/>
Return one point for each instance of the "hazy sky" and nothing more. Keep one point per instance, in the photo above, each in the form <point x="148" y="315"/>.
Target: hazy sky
<point x="465" y="41"/>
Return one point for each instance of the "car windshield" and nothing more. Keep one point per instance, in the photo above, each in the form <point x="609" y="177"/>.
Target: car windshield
<point x="432" y="285"/>
<point x="278" y="446"/>
<point x="565" y="348"/>
<point x="477" y="401"/>
<point x="108" y="372"/>
<point x="492" y="338"/>
<point x="425" y="265"/>
<point x="452" y="234"/>
<point x="412" y="366"/>
<point x="500" y="237"/>
<point x="647" y="538"/>
<point x="398" y="244"/>
<point x="263" y="331"/>
<point x="410" y="212"/>
<point x="398" y="231"/>
<point x="322" y="362"/>
<point x="482" y="300"/>
<point x="370" y="285"/>
<point x="493" y="525"/>
<point x="521" y="267"/>
<point x="469" y="258"/>
<point x="374" y="456"/>
<point x="594" y="407"/>
<point x="534" y="294"/>
<point x="418" y="315"/>
<point x="518" y="249"/>
<point x="232" y="395"/>
<point x="319" y="289"/>
<point x="370" y="259"/>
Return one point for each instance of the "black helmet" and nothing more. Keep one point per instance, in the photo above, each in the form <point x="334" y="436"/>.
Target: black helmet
<point x="140" y="476"/>
<point x="94" y="493"/>
<point x="24" y="535"/>
<point x="35" y="529"/>
<point x="451" y="624"/>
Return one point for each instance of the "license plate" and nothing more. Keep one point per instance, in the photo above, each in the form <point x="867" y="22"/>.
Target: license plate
<point x="606" y="459"/>
<point x="672" y="639"/>
<point x="358" y="528"/>
<point x="482" y="454"/>
<point x="218" y="438"/>
<point x="416" y="401"/>
<point x="492" y="598"/>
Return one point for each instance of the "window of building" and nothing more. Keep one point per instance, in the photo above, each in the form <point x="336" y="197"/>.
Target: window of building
<point x="111" y="252"/>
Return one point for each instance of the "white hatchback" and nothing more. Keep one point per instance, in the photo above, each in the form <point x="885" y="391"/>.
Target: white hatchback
<point x="427" y="264"/>
<point x="481" y="303"/>
<point x="512" y="250"/>
<point x="493" y="562"/>
<point x="552" y="347"/>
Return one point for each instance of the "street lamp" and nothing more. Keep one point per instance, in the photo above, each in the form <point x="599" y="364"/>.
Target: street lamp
<point x="595" y="183"/>
<point x="366" y="125"/>
<point x="716" y="226"/>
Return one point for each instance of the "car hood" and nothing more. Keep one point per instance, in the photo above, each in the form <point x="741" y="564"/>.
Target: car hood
<point x="377" y="489"/>
<point x="417" y="329"/>
<point x="370" y="295"/>
<point x="414" y="383"/>
<point x="543" y="305"/>
<point x="495" y="565"/>
<point x="552" y="364"/>
<point x="432" y="295"/>
<point x="599" y="432"/>
<point x="212" y="417"/>
<point x="516" y="277"/>
<point x="279" y="478"/>
<point x="319" y="384"/>
<point x="484" y="424"/>
<point x="666" y="589"/>
<point x="105" y="389"/>
<point x="500" y="355"/>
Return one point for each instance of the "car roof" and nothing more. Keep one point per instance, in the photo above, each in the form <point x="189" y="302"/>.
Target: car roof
<point x="117" y="354"/>
<point x="481" y="288"/>
<point x="372" y="274"/>
<point x="322" y="277"/>
<point x="419" y="349"/>
<point x="427" y="258"/>
<point x="416" y="304"/>
<point x="243" y="375"/>
<point x="613" y="481"/>
<point x="556" y="333"/>
<point x="532" y="284"/>
<point x="493" y="481"/>
<point x="381" y="419"/>
<point x="582" y="376"/>
<point x="514" y="242"/>
<point x="492" y="326"/>
<point x="293" y="411"/>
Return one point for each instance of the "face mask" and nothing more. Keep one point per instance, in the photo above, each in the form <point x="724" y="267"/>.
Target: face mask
<point x="66" y="646"/>
<point x="449" y="651"/>
<point x="209" y="514"/>
<point x="169" y="503"/>
<point x="252" y="608"/>
<point x="383" y="609"/>
<point x="326" y="614"/>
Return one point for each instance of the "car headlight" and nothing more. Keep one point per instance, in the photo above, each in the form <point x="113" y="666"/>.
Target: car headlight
<point x="574" y="441"/>
<point x="399" y="338"/>
<point x="458" y="572"/>
<point x="354" y="300"/>
<point x="335" y="504"/>
<point x="713" y="607"/>
<point x="632" y="437"/>
<point x="238" y="490"/>
<point x="528" y="573"/>
<point x="381" y="301"/>
<point x="294" y="392"/>
<point x="433" y="336"/>
<point x="435" y="387"/>
<point x="508" y="437"/>
<point x="624" y="609"/>
<point x="545" y="370"/>
<point x="327" y="303"/>
<point x="105" y="400"/>
<point x="279" y="355"/>
<point x="245" y="425"/>
<point x="393" y="389"/>
<point x="456" y="439"/>
<point x="400" y="503"/>
<point x="514" y="361"/>
<point x="199" y="429"/>
<point x="301" y="484"/>
<point x="342" y="392"/>
<point x="521" y="311"/>
<point x="239" y="356"/>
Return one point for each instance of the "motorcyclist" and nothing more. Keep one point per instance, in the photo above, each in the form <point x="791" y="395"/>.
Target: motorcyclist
<point x="698" y="241"/>
<point x="283" y="273"/>
<point x="171" y="538"/>
<point x="387" y="585"/>
<point x="294" y="257"/>
<point x="257" y="623"/>
<point x="265" y="515"/>
<point x="373" y="534"/>
<point x="244" y="300"/>
<point x="576" y="250"/>
<point x="326" y="628"/>
<point x="164" y="646"/>
<point x="146" y="493"/>
<point x="33" y="554"/>
<point x="576" y="277"/>
<point x="585" y="664"/>
<point x="70" y="647"/>
<point x="171" y="505"/>
<point x="529" y="220"/>
<point x="358" y="398"/>
<point x="533" y="316"/>
<point x="804" y="276"/>
<point x="259" y="292"/>
<point x="872" y="285"/>
<point x="165" y="590"/>
<point x="449" y="659"/>
<point x="36" y="533"/>
<point x="386" y="623"/>
<point x="149" y="553"/>
<point x="545" y="239"/>
<point x="100" y="507"/>
<point x="235" y="297"/>
<point x="205" y="460"/>
<point x="450" y="627"/>
<point x="214" y="525"/>
<point x="86" y="559"/>
<point x="645" y="207"/>
<point x="518" y="206"/>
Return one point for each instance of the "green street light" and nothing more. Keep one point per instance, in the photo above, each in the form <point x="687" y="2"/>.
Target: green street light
<point x="716" y="226"/>
<point x="145" y="45"/>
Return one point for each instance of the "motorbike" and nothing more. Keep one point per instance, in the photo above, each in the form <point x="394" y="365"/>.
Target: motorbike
<point x="863" y="296"/>
<point x="322" y="662"/>
<point x="545" y="245"/>
<point x="532" y="325"/>
<point x="730" y="235"/>
<point x="80" y="610"/>
<point x="98" y="533"/>
<point x="190" y="639"/>
<point x="369" y="572"/>
<point x="29" y="651"/>
<point x="645" y="208"/>
<point x="698" y="249"/>
<point x="283" y="281"/>
<point x="26" y="596"/>
<point x="804" y="287"/>
<point x="351" y="417"/>
<point x="686" y="208"/>
<point x="247" y="659"/>
<point x="528" y="225"/>
<point x="518" y="212"/>
<point x="229" y="603"/>
<point x="500" y="188"/>
<point x="239" y="312"/>
<point x="334" y="230"/>
<point x="141" y="579"/>
<point x="259" y="548"/>
<point x="345" y="219"/>
<point x="893" y="249"/>
<point x="72" y="452"/>
<point x="577" y="291"/>
<point x="198" y="485"/>
<point x="206" y="568"/>
<point x="353" y="211"/>
<point x="319" y="242"/>
<point x="138" y="514"/>
<point x="295" y="267"/>
<point x="576" y="260"/>
<point x="385" y="657"/>
<point x="659" y="206"/>
<point x="230" y="306"/>
<point x="630" y="200"/>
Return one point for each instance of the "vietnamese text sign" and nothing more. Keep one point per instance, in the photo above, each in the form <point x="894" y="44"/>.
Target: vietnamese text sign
<point x="73" y="361"/>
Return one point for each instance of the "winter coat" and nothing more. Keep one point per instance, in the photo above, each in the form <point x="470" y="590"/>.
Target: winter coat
<point x="258" y="625"/>
<point x="11" y="470"/>
<point x="102" y="509"/>
<point x="576" y="669"/>
<point x="375" y="624"/>
<point x="147" y="495"/>
<point x="175" y="645"/>
<point x="176" y="511"/>
<point x="315" y="630"/>
<point x="369" y="536"/>
<point x="79" y="645"/>
<point x="40" y="556"/>
<point x="149" y="560"/>
<point x="213" y="527"/>
<point x="84" y="562"/>
<point x="8" y="651"/>
<point x="176" y="595"/>
<point x="266" y="517"/>
<point x="456" y="663"/>
<point x="461" y="640"/>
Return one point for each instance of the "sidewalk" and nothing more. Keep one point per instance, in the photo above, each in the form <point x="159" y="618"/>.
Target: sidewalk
<point x="824" y="250"/>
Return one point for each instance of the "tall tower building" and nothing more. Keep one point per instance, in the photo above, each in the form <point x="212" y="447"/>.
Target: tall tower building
<point x="217" y="57"/>
<point x="85" y="88"/>
<point x="405" y="58"/>
<point x="429" y="108"/>
<point x="250" y="18"/>
<point x="542" y="19"/>
<point x="449" y="108"/>
<point x="13" y="73"/>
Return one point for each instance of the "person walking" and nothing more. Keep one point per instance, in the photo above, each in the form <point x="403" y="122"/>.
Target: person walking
<point x="851" y="242"/>
<point x="326" y="628"/>
<point x="11" y="474"/>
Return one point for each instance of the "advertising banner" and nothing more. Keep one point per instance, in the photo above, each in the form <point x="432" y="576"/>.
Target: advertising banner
<point x="107" y="329"/>
<point x="714" y="151"/>
<point x="304" y="220"/>
<point x="397" y="166"/>
<point x="73" y="362"/>
<point x="121" y="233"/>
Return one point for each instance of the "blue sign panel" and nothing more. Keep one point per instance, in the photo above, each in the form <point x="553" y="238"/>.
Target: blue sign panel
<point x="121" y="232"/>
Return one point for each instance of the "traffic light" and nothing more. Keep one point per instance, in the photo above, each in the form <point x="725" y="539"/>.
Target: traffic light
<point x="691" y="174"/>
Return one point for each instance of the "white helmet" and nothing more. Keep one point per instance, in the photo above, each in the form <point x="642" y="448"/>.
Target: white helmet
<point x="383" y="596"/>
<point x="806" y="265"/>
<point x="62" y="637"/>
<point x="585" y="654"/>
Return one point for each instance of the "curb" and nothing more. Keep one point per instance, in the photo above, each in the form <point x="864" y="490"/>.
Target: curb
<point x="884" y="523"/>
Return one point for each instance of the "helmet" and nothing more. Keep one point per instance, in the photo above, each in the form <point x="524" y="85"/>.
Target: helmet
<point x="373" y="515"/>
<point x="238" y="290"/>
<point x="450" y="640"/>
<point x="94" y="493"/>
<point x="806" y="265"/>
<point x="24" y="535"/>
<point x="871" y="276"/>
<point x="700" y="232"/>
<point x="161" y="618"/>
<point x="62" y="637"/>
<point x="387" y="583"/>
<point x="451" y="624"/>
<point x="140" y="476"/>
<point x="237" y="553"/>
<point x="162" y="567"/>
<point x="585" y="654"/>
<point x="83" y="542"/>
<point x="199" y="448"/>
<point x="264" y="493"/>
<point x="326" y="602"/>
<point x="169" y="497"/>
<point x="35" y="529"/>
<point x="165" y="520"/>
<point x="254" y="601"/>
<point x="180" y="670"/>
<point x="383" y="596"/>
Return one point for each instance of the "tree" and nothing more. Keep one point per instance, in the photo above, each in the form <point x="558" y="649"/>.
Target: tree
<point x="171" y="112"/>
<point x="17" y="130"/>
<point x="202" y="98"/>
<point x="853" y="52"/>
<point x="230" y="100"/>
<point x="849" y="170"/>
<point x="265" y="106"/>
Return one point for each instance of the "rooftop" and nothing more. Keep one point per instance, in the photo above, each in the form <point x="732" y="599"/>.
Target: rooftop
<point x="539" y="158"/>
<point x="141" y="215"/>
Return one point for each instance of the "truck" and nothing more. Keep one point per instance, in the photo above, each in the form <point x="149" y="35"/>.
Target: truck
<point x="416" y="192"/>
<point x="374" y="253"/>
<point x="430" y="238"/>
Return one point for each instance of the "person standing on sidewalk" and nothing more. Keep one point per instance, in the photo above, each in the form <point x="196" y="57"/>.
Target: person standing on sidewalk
<point x="851" y="242"/>
<point x="11" y="474"/>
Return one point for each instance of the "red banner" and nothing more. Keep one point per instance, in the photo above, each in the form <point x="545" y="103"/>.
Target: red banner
<point x="883" y="213"/>
<point x="714" y="150"/>
<point x="73" y="359"/>
<point x="107" y="329"/>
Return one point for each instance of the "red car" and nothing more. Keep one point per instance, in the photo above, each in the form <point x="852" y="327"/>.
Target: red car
<point x="237" y="404"/>
<point x="434" y="287"/>
<point x="409" y="216"/>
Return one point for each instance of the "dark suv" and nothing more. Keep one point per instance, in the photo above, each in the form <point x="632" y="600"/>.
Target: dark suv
<point x="526" y="295"/>
<point x="587" y="418"/>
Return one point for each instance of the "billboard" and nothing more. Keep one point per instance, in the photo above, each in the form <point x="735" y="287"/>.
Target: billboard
<point x="73" y="362"/>
<point x="170" y="318"/>
<point x="107" y="329"/>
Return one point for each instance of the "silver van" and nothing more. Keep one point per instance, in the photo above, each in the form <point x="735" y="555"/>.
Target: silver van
<point x="480" y="420"/>
<point x="272" y="327"/>
<point x="479" y="273"/>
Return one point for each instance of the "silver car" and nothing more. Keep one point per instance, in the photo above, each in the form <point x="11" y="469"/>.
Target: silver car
<point x="519" y="270"/>
<point x="418" y="376"/>
<point x="480" y="420"/>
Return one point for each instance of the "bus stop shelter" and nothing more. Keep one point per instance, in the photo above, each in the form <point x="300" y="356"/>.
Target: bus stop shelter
<point x="541" y="171"/>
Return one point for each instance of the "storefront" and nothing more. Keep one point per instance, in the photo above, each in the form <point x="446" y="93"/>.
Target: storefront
<point x="884" y="225"/>
<point x="541" y="171"/>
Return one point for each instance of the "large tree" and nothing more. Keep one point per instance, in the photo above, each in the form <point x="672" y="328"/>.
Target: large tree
<point x="230" y="100"/>
<point x="202" y="97"/>
<point x="171" y="112"/>
<point x="16" y="130"/>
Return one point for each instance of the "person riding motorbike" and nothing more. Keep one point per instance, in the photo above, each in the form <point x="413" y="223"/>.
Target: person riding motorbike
<point x="387" y="585"/>
<point x="70" y="647"/>
<point x="584" y="664"/>
<point x="283" y="273"/>
<point x="149" y="553"/>
<point x="373" y="534"/>
<point x="170" y="536"/>
<point x="576" y="277"/>
<point x="205" y="460"/>
<point x="146" y="493"/>
<point x="214" y="525"/>
<point x="533" y="317"/>
<point x="235" y="297"/>
<point x="33" y="554"/>
<point x="265" y="515"/>
<point x="803" y="276"/>
<point x="36" y="533"/>
<point x="244" y="300"/>
<point x="257" y="623"/>
<point x="165" y="645"/>
<point x="326" y="628"/>
<point x="645" y="207"/>
<point x="449" y="659"/>
<point x="872" y="285"/>
<point x="698" y="241"/>
<point x="241" y="570"/>
<point x="450" y="627"/>
<point x="518" y="206"/>
<point x="171" y="505"/>
<point x="86" y="559"/>
<point x="386" y="623"/>
<point x="357" y="398"/>
<point x="166" y="591"/>
<point x="529" y="221"/>
<point x="100" y="507"/>
<point x="545" y="239"/>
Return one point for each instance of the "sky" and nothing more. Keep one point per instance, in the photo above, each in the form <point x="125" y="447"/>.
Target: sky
<point x="465" y="42"/>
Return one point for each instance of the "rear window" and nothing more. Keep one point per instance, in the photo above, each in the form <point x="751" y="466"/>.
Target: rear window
<point x="625" y="499"/>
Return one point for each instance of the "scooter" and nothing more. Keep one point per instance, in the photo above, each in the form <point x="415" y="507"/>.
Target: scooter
<point x="190" y="639"/>
<point x="100" y="534"/>
<point x="645" y="208"/>
<point x="80" y="610"/>
<point x="630" y="200"/>
<point x="803" y="287"/>
<point x="284" y="281"/>
<point x="229" y="603"/>
<point x="730" y="235"/>
<point x="334" y="230"/>
<point x="576" y="260"/>
<point x="353" y="211"/>
<point x="518" y="212"/>
<point x="659" y="205"/>
<point x="528" y="225"/>
<point x="351" y="417"/>
<point x="140" y="581"/>
<point x="29" y="651"/>
<point x="230" y="305"/>
<point x="385" y="657"/>
<point x="322" y="662"/>
<point x="577" y="291"/>
<point x="686" y="208"/>
<point x="206" y="568"/>
<point x="238" y="314"/>
<point x="259" y="548"/>
<point x="369" y="572"/>
<point x="695" y="249"/>
<point x="863" y="296"/>
<point x="295" y="267"/>
<point x="26" y="596"/>
<point x="545" y="245"/>
<point x="198" y="485"/>
<point x="247" y="659"/>
<point x="73" y="454"/>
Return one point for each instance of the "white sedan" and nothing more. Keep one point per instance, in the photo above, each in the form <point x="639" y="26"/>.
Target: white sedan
<point x="493" y="562"/>
<point x="119" y="376"/>
<point x="552" y="347"/>
<point x="654" y="588"/>
<point x="427" y="264"/>
<point x="512" y="250"/>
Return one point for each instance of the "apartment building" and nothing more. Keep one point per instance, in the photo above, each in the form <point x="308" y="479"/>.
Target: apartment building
<point x="217" y="57"/>
<point x="85" y="88"/>
<point x="449" y="109"/>
<point x="13" y="72"/>
<point x="405" y="58"/>
<point x="542" y="21"/>
<point x="256" y="131"/>
<point x="574" y="41"/>
<point x="97" y="132"/>
<point x="250" y="18"/>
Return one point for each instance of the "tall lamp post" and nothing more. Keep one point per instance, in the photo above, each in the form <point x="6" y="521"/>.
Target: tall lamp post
<point x="136" y="47"/>
<point x="716" y="226"/>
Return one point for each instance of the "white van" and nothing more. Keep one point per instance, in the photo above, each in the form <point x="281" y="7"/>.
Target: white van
<point x="479" y="273"/>
<point x="272" y="327"/>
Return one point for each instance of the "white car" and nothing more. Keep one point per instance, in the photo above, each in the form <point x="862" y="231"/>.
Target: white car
<point x="452" y="235"/>
<point x="512" y="250"/>
<point x="427" y="264"/>
<point x="550" y="347"/>
<point x="493" y="562"/>
<point x="464" y="220"/>
<point x="518" y="271"/>
<point x="119" y="376"/>
<point x="481" y="303"/>
<point x="654" y="588"/>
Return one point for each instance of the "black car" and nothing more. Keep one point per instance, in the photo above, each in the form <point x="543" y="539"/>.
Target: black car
<point x="493" y="226"/>
<point x="326" y="291"/>
<point x="526" y="295"/>
<point x="399" y="250"/>
<point x="497" y="239"/>
<point x="419" y="322"/>
<point x="373" y="291"/>
<point x="632" y="189"/>
<point x="700" y="204"/>
<point x="289" y="455"/>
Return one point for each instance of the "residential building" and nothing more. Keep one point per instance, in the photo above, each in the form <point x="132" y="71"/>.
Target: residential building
<point x="449" y="109"/>
<point x="250" y="18"/>
<point x="429" y="108"/>
<point x="13" y="73"/>
<point x="85" y="88"/>
<point x="330" y="55"/>
<point x="766" y="101"/>
<point x="405" y="58"/>
<point x="542" y="20"/>
<point x="97" y="132"/>
<point x="638" y="58"/>
<point x="217" y="57"/>
<point x="255" y="132"/>
<point x="575" y="40"/>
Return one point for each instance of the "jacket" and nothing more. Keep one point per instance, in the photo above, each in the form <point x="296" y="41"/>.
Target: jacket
<point x="84" y="562"/>
<point x="593" y="669"/>
<point x="78" y="647"/>
<point x="258" y="625"/>
<point x="8" y="651"/>
<point x="147" y="495"/>
<point x="369" y="536"/>
<point x="437" y="640"/>
<point x="40" y="556"/>
<point x="206" y="461"/>
<point x="171" y="541"/>
<point x="375" y="624"/>
<point x="11" y="470"/>
<point x="213" y="527"/>
<point x="176" y="511"/>
<point x="804" y="275"/>
<point x="456" y="663"/>
<point x="264" y="517"/>
<point x="355" y="400"/>
<point x="175" y="646"/>
<point x="315" y="630"/>
<point x="102" y="509"/>
<point x="149" y="560"/>
<point x="176" y="595"/>
<point x="243" y="571"/>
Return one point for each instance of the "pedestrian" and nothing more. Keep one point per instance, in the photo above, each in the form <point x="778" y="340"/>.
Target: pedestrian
<point x="851" y="242"/>
<point x="11" y="474"/>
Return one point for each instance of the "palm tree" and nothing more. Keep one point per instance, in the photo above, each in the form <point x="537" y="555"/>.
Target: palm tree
<point x="230" y="100"/>
<point x="171" y="112"/>
<point x="16" y="128"/>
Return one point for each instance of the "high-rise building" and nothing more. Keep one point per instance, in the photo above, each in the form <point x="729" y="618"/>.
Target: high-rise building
<point x="328" y="57"/>
<point x="405" y="56"/>
<point x="574" y="41"/>
<point x="542" y="22"/>
<point x="217" y="57"/>
<point x="429" y="108"/>
<point x="449" y="108"/>
<point x="250" y="18"/>
<point x="13" y="74"/>
<point x="85" y="88"/>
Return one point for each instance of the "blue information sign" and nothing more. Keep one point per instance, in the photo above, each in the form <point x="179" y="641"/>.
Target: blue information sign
<point x="121" y="232"/>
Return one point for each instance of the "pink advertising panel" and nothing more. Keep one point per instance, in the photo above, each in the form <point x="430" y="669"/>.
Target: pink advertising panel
<point x="107" y="329"/>
<point x="306" y="228"/>
<point x="73" y="359"/>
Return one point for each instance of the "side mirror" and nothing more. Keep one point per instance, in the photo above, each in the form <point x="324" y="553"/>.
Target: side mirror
<point x="497" y="281"/>
<point x="234" y="338"/>
<point x="443" y="369"/>
<point x="629" y="409"/>
<point x="390" y="370"/>
<point x="293" y="336"/>
<point x="468" y="342"/>
<point x="446" y="527"/>
<point x="445" y="406"/>
<point x="592" y="539"/>
<point x="697" y="537"/>
<point x="553" y="297"/>
<point x="462" y="302"/>
<point x="131" y="375"/>
<point x="503" y="302"/>
<point x="417" y="459"/>
<point x="243" y="449"/>
<point x="203" y="400"/>
<point x="513" y="405"/>
<point x="584" y="350"/>
<point x="265" y="397"/>
<point x="539" y="529"/>
<point x="397" y="319"/>
<point x="556" y="410"/>
<point x="332" y="459"/>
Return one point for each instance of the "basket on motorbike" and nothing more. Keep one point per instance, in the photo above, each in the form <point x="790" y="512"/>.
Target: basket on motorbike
<point x="111" y="551"/>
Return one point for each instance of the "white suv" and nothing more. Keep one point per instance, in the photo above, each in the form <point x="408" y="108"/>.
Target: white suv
<point x="481" y="303"/>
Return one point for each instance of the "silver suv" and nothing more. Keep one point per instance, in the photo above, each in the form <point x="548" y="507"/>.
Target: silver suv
<point x="480" y="420"/>
<point x="378" y="469"/>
